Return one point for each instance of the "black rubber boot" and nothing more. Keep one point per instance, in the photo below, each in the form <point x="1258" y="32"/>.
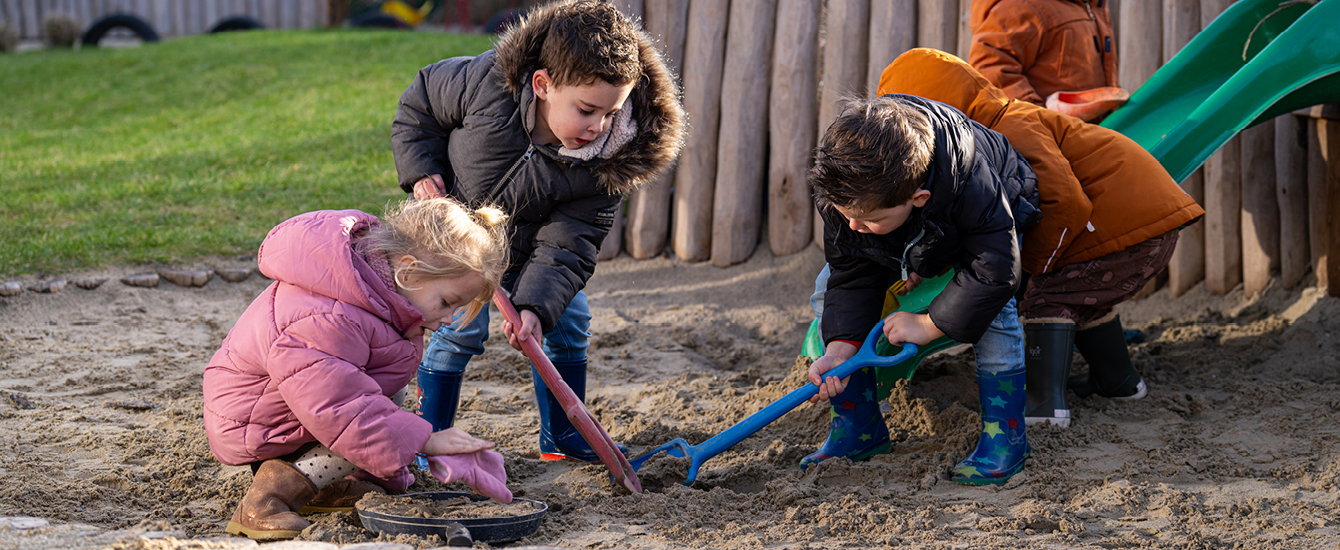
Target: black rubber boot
<point x="1111" y="374"/>
<point x="1048" y="347"/>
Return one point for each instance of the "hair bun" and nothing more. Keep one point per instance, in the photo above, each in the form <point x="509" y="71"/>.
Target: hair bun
<point x="489" y="216"/>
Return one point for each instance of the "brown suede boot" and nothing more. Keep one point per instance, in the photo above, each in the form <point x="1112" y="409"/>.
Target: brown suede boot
<point x="340" y="496"/>
<point x="269" y="509"/>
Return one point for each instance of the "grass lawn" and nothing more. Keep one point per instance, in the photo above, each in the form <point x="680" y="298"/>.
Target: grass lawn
<point x="197" y="146"/>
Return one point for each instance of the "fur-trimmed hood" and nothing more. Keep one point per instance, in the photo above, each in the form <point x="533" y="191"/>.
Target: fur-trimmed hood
<point x="657" y="108"/>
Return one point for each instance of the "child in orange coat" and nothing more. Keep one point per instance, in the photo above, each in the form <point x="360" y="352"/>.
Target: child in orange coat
<point x="1033" y="48"/>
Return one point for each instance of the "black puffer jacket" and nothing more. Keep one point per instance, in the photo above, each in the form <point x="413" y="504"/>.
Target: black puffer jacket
<point x="983" y="193"/>
<point x="465" y="118"/>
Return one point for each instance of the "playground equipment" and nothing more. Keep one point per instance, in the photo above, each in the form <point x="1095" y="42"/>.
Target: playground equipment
<point x="394" y="14"/>
<point x="1257" y="60"/>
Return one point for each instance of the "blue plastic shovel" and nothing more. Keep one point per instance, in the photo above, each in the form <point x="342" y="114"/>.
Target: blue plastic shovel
<point x="702" y="452"/>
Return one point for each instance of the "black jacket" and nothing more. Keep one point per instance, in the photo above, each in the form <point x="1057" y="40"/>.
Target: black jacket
<point x="983" y="193"/>
<point x="465" y="118"/>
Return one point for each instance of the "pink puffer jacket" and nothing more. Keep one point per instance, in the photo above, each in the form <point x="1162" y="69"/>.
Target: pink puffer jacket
<point x="316" y="355"/>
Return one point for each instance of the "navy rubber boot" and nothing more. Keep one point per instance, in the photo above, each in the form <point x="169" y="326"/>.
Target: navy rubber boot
<point x="1048" y="349"/>
<point x="559" y="439"/>
<point x="1002" y="446"/>
<point x="439" y="394"/>
<point x="856" y="429"/>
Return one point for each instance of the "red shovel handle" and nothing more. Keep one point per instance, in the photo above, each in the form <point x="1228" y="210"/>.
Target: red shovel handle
<point x="582" y="419"/>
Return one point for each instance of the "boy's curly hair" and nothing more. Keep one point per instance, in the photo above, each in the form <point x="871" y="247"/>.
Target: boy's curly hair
<point x="447" y="240"/>
<point x="875" y="154"/>
<point x="589" y="40"/>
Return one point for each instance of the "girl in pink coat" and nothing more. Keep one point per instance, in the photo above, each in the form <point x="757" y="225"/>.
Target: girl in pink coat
<point x="308" y="384"/>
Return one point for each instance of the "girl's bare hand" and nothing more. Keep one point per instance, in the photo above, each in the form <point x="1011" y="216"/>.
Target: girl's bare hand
<point x="454" y="441"/>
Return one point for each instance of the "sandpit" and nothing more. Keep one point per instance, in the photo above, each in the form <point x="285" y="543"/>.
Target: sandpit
<point x="1236" y="444"/>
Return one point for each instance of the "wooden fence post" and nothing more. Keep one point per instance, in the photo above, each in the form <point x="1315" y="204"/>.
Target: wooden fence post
<point x="893" y="30"/>
<point x="1141" y="47"/>
<point x="1223" y="254"/>
<point x="1140" y="54"/>
<point x="742" y="150"/>
<point x="1223" y="218"/>
<point x="937" y="24"/>
<point x="649" y="207"/>
<point x="703" y="59"/>
<point x="964" y="33"/>
<point x="845" y="61"/>
<point x="1260" y="211"/>
<point x="1291" y="194"/>
<point x="794" y="115"/>
<point x="1328" y="130"/>
<point x="1318" y="239"/>
<point x="1181" y="22"/>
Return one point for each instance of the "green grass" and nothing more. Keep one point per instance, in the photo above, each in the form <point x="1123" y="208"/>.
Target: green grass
<point x="195" y="147"/>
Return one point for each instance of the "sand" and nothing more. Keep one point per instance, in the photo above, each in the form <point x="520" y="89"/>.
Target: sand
<point x="1235" y="446"/>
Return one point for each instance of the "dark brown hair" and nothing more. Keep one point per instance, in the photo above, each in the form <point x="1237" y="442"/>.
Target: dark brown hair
<point x="589" y="40"/>
<point x="875" y="154"/>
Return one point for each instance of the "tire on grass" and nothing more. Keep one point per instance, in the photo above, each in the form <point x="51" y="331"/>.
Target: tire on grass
<point x="102" y="26"/>
<point x="236" y="23"/>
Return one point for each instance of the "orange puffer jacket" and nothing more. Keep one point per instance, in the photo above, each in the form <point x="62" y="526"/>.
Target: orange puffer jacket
<point x="1101" y="192"/>
<point x="1032" y="48"/>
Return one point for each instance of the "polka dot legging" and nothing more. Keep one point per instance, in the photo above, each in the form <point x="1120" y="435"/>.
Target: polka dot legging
<point x="322" y="466"/>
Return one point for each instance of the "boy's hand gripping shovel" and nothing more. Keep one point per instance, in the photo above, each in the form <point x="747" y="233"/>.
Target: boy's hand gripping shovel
<point x="702" y="452"/>
<point x="586" y="424"/>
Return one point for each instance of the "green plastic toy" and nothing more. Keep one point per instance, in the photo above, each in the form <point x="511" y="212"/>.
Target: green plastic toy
<point x="1208" y="92"/>
<point x="916" y="301"/>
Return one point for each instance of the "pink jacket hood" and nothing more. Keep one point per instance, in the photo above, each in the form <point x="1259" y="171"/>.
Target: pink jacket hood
<point x="313" y="251"/>
<point x="315" y="356"/>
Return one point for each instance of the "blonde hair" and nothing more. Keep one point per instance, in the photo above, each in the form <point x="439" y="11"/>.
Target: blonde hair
<point x="446" y="239"/>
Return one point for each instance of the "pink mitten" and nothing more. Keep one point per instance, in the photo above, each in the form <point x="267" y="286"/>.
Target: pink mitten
<point x="482" y="470"/>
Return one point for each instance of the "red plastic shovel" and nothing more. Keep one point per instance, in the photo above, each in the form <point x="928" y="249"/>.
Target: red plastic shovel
<point x="586" y="424"/>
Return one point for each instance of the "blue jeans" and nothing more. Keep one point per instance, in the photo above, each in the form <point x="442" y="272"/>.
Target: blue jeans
<point x="1001" y="348"/>
<point x="452" y="347"/>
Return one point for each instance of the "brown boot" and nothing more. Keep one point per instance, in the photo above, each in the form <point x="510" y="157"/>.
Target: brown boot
<point x="340" y="496"/>
<point x="269" y="509"/>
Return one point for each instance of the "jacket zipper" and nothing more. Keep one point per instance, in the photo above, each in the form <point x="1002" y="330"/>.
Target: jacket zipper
<point x="493" y="195"/>
<point x="908" y="247"/>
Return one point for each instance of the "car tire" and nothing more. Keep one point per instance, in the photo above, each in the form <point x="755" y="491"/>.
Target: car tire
<point x="102" y="26"/>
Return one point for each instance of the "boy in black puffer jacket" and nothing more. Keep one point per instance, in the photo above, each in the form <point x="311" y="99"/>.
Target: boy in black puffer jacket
<point x="907" y="188"/>
<point x="572" y="109"/>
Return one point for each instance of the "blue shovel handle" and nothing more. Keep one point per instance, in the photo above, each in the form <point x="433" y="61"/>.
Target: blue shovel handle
<point x="865" y="357"/>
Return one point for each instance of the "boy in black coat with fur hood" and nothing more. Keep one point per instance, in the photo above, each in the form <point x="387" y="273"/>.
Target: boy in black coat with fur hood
<point x="571" y="110"/>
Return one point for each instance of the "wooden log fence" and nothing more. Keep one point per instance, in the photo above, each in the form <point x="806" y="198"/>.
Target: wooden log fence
<point x="169" y="18"/>
<point x="762" y="80"/>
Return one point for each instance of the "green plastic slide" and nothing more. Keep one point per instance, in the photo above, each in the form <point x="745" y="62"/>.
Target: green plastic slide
<point x="1207" y="93"/>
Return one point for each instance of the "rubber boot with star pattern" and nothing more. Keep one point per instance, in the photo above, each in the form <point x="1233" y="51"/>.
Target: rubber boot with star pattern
<point x="856" y="429"/>
<point x="1002" y="446"/>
